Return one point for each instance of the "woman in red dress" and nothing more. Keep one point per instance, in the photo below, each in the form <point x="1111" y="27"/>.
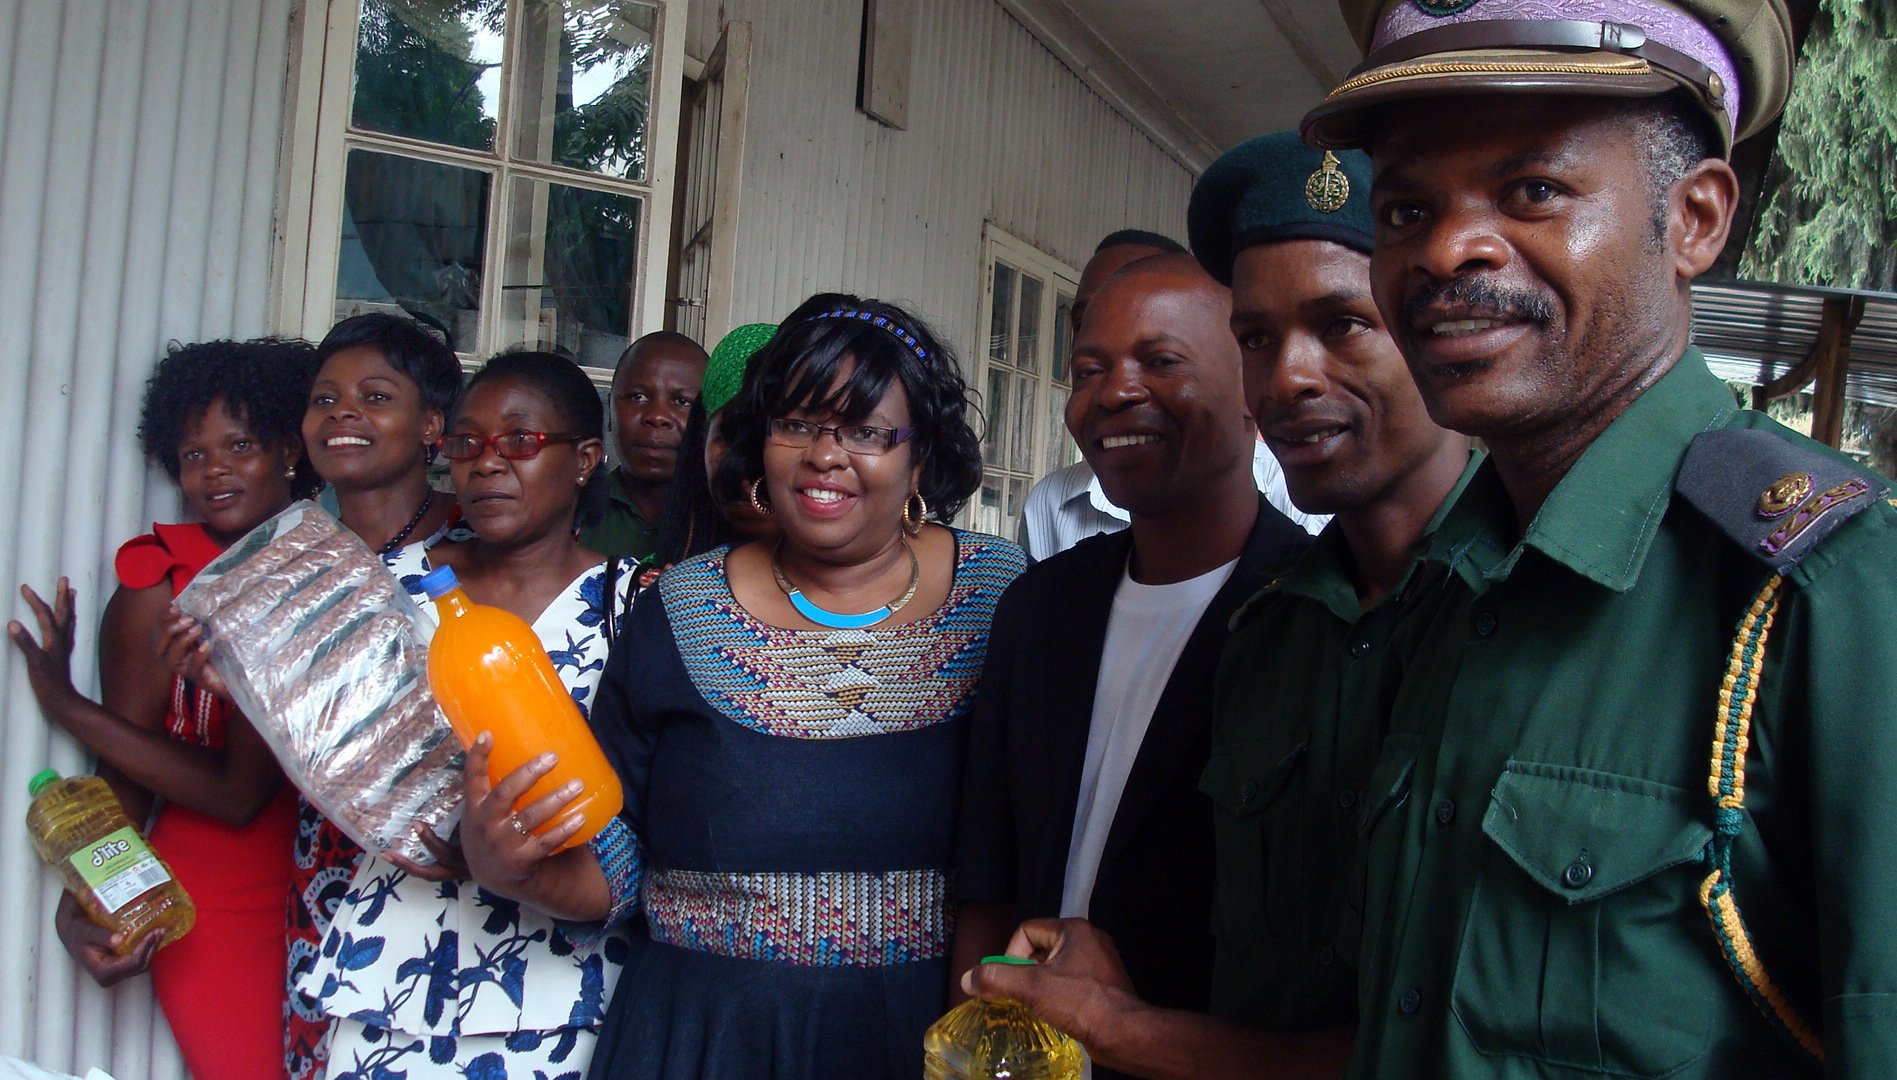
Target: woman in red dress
<point x="378" y="401"/>
<point x="223" y="419"/>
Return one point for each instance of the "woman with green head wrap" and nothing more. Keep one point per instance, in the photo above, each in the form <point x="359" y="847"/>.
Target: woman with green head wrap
<point x="697" y="516"/>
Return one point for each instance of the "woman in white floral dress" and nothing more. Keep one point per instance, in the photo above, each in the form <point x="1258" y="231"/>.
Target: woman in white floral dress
<point x="426" y="973"/>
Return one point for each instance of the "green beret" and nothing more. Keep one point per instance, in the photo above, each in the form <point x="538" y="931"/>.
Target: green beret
<point x="724" y="372"/>
<point x="1732" y="58"/>
<point x="1274" y="187"/>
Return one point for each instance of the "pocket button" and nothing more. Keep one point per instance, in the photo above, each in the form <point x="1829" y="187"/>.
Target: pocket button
<point x="1248" y="791"/>
<point x="1346" y="799"/>
<point x="1410" y="1001"/>
<point x="1485" y="623"/>
<point x="1578" y="874"/>
<point x="1445" y="812"/>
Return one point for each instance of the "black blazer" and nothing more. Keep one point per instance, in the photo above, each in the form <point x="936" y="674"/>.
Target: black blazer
<point x="1027" y="747"/>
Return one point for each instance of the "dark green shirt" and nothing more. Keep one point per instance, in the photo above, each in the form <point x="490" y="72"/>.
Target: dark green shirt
<point x="1537" y="815"/>
<point x="624" y="532"/>
<point x="1304" y="678"/>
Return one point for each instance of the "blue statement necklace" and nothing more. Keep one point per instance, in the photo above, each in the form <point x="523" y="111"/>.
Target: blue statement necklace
<point x="836" y="620"/>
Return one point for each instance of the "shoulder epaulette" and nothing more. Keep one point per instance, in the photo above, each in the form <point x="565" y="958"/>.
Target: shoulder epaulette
<point x="1255" y="602"/>
<point x="1775" y="497"/>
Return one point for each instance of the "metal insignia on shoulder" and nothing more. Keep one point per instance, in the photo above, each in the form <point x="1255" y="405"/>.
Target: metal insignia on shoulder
<point x="1785" y="494"/>
<point x="1810" y="511"/>
<point x="1776" y="496"/>
<point x="1328" y="189"/>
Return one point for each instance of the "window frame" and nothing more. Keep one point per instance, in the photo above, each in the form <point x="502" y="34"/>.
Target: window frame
<point x="1052" y="448"/>
<point x="318" y="137"/>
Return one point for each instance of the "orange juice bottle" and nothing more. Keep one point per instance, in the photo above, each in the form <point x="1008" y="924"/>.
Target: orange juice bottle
<point x="81" y="831"/>
<point x="490" y="673"/>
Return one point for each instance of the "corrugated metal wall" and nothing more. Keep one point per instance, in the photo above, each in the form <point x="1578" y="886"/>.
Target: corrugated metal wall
<point x="138" y="175"/>
<point x="998" y="130"/>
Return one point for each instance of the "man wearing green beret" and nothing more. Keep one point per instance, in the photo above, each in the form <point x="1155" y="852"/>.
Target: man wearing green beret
<point x="1632" y="816"/>
<point x="1308" y="666"/>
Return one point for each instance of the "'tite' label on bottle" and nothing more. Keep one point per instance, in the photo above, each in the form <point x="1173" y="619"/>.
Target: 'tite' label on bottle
<point x="119" y="868"/>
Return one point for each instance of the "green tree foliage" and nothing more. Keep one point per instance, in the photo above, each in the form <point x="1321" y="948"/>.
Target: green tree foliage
<point x="606" y="134"/>
<point x="1829" y="215"/>
<point x="415" y="74"/>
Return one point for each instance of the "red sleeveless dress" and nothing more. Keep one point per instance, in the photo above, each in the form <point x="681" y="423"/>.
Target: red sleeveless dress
<point x="221" y="986"/>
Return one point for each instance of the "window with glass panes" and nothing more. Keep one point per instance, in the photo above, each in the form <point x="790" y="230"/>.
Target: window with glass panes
<point x="486" y="166"/>
<point x="1023" y="378"/>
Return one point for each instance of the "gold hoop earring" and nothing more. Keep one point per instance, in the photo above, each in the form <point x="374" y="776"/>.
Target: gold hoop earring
<point x="913" y="525"/>
<point x="758" y="504"/>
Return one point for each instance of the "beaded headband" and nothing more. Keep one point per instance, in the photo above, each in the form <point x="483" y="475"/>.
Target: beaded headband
<point x="883" y="321"/>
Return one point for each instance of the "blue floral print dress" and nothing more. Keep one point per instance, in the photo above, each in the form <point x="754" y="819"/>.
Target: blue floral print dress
<point x="445" y="979"/>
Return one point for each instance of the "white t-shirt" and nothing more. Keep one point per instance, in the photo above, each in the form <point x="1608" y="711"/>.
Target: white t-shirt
<point x="1146" y="632"/>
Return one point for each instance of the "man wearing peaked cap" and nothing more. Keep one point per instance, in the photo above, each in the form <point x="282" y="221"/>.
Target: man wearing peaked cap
<point x="1631" y="814"/>
<point x="1299" y="688"/>
<point x="1729" y="58"/>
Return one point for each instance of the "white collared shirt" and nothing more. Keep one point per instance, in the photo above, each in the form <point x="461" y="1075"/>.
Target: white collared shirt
<point x="1067" y="505"/>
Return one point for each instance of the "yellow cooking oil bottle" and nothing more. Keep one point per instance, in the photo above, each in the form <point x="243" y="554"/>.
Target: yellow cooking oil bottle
<point x="997" y="1040"/>
<point x="82" y="832"/>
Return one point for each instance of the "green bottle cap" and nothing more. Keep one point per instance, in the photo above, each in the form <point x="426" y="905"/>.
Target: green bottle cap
<point x="40" y="780"/>
<point x="1007" y="960"/>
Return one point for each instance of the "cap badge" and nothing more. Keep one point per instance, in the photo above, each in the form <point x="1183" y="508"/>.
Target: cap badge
<point x="1784" y="495"/>
<point x="1327" y="189"/>
<point x="1440" y="8"/>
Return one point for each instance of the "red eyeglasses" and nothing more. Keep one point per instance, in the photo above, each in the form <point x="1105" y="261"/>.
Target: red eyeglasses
<point x="512" y="445"/>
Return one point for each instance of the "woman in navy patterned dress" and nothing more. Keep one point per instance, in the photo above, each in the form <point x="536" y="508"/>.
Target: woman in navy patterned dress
<point x="788" y="718"/>
<point x="427" y="974"/>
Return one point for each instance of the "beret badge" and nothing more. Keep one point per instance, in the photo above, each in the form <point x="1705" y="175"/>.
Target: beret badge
<point x="1328" y="189"/>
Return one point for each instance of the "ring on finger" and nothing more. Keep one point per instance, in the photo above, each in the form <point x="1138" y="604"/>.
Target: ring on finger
<point x="519" y="826"/>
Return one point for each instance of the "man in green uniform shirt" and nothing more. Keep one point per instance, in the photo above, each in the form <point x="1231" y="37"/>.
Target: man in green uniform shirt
<point x="1633" y="816"/>
<point x="1306" y="672"/>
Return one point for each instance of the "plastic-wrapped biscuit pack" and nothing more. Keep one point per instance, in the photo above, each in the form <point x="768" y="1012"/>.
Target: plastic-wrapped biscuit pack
<point x="327" y="655"/>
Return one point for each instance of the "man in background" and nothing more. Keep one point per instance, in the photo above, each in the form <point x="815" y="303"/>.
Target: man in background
<point x="654" y="386"/>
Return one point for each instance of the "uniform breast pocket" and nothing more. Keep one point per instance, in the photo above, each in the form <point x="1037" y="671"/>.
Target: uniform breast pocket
<point x="1247" y="780"/>
<point x="1585" y="946"/>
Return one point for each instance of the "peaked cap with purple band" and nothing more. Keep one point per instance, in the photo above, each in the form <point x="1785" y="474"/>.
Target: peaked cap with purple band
<point x="1730" y="57"/>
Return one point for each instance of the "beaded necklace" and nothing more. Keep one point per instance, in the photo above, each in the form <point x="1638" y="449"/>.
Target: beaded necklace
<point x="396" y="541"/>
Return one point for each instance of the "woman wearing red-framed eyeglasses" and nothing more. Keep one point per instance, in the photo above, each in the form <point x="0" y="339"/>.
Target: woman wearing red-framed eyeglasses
<point x="466" y="978"/>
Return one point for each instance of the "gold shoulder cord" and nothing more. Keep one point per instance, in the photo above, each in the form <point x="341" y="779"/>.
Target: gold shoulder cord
<point x="1738" y="692"/>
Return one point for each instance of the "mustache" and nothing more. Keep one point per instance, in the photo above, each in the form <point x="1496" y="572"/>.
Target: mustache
<point x="1480" y="293"/>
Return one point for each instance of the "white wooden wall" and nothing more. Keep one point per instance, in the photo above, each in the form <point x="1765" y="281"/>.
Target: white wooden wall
<point x="998" y="130"/>
<point x="138" y="175"/>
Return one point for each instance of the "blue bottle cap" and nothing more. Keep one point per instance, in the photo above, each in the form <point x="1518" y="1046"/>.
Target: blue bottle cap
<point x="439" y="582"/>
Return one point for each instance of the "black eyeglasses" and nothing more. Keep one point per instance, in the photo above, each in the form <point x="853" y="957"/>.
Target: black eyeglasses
<point x="512" y="445"/>
<point x="864" y="439"/>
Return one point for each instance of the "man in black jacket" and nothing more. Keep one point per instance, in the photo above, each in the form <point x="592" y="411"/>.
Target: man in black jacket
<point x="1092" y="723"/>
